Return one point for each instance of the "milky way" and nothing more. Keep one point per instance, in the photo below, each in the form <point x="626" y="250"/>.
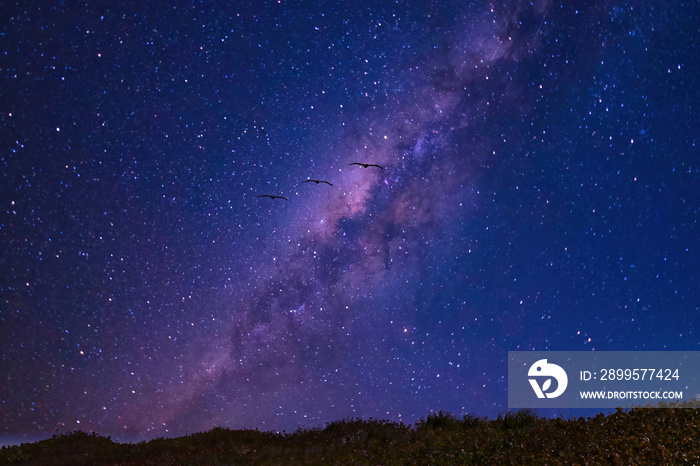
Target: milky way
<point x="539" y="193"/>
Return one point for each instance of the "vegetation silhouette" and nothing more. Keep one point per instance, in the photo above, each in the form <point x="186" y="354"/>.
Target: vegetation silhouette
<point x="639" y="435"/>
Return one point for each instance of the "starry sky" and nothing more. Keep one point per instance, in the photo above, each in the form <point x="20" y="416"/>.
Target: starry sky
<point x="540" y="191"/>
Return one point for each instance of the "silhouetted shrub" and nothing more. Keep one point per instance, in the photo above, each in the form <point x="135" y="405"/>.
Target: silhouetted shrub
<point x="516" y="419"/>
<point x="436" y="420"/>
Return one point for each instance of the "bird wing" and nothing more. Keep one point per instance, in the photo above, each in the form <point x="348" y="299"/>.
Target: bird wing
<point x="265" y="195"/>
<point x="282" y="197"/>
<point x="306" y="181"/>
<point x="355" y="163"/>
<point x="327" y="183"/>
<point x="379" y="166"/>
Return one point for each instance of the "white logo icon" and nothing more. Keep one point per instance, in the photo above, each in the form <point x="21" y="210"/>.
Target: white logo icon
<point x="543" y="369"/>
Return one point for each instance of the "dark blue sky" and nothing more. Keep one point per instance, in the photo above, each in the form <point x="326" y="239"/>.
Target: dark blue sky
<point x="540" y="192"/>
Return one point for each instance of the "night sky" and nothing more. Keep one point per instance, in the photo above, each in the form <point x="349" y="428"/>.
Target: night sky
<point x="540" y="191"/>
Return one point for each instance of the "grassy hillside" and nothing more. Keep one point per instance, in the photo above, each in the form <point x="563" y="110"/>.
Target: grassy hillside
<point x="633" y="436"/>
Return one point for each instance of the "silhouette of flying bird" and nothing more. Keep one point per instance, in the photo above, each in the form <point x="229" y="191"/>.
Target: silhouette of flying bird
<point x="273" y="197"/>
<point x="367" y="165"/>
<point x="317" y="182"/>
